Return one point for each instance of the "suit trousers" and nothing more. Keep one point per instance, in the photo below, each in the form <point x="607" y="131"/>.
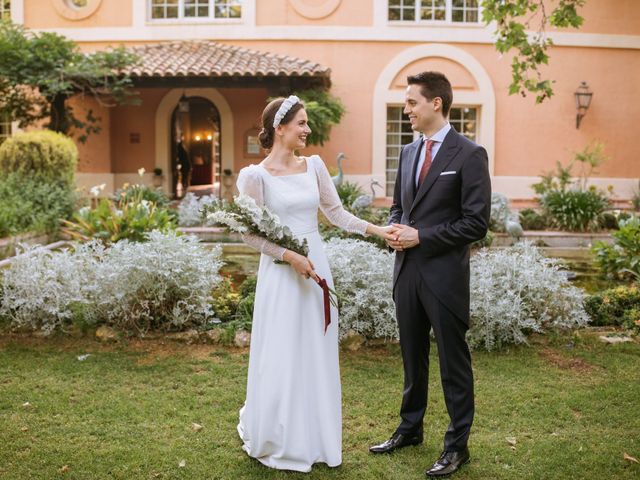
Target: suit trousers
<point x="418" y="310"/>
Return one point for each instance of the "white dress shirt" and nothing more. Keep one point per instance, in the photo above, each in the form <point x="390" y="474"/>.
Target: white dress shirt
<point x="437" y="138"/>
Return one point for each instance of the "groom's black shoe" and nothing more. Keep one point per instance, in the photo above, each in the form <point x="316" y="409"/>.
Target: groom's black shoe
<point x="397" y="440"/>
<point x="448" y="463"/>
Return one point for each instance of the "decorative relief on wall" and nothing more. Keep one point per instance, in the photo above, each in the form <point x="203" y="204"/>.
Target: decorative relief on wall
<point x="315" y="9"/>
<point x="76" y="9"/>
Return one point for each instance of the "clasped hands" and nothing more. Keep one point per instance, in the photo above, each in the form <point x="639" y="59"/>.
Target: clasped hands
<point x="401" y="237"/>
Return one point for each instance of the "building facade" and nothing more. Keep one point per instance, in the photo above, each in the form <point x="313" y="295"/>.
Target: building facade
<point x="210" y="65"/>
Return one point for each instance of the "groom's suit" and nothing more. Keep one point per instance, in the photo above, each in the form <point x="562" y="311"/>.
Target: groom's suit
<point x="450" y="210"/>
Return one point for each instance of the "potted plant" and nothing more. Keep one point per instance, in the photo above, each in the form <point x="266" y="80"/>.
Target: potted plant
<point x="158" y="177"/>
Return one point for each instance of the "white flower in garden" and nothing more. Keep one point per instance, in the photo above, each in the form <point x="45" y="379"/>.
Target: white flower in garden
<point x="141" y="172"/>
<point x="96" y="189"/>
<point x="84" y="211"/>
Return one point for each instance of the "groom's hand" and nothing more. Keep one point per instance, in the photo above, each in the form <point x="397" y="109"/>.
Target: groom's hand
<point x="405" y="237"/>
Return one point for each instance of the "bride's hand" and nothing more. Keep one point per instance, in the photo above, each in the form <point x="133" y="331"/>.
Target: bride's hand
<point x="301" y="264"/>
<point x="386" y="233"/>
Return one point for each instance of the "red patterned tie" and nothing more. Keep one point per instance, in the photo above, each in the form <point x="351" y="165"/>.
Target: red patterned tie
<point x="427" y="162"/>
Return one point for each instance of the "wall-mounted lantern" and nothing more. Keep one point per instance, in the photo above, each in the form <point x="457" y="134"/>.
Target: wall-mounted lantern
<point x="583" y="100"/>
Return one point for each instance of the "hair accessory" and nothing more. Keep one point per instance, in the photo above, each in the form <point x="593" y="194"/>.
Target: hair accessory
<point x="289" y="102"/>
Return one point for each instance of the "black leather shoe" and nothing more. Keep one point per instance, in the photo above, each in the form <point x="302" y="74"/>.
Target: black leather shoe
<point x="397" y="440"/>
<point x="448" y="463"/>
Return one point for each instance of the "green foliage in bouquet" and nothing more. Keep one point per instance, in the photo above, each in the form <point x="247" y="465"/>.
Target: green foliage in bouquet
<point x="243" y="216"/>
<point x="616" y="306"/>
<point x="622" y="259"/>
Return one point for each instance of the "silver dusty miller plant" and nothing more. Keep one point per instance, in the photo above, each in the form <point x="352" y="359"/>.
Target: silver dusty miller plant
<point x="163" y="283"/>
<point x="191" y="207"/>
<point x="516" y="291"/>
<point x="363" y="276"/>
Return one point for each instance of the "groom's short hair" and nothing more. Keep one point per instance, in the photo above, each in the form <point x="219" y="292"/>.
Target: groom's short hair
<point x="432" y="85"/>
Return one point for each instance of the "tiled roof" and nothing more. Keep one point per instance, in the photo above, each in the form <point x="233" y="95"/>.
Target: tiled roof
<point x="206" y="58"/>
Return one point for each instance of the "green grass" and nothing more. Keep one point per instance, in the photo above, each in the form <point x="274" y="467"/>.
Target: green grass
<point x="126" y="412"/>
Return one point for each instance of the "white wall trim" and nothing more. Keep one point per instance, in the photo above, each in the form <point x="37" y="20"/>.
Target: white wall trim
<point x="520" y="187"/>
<point x="484" y="98"/>
<point x="248" y="30"/>
<point x="163" y="127"/>
<point x="17" y="11"/>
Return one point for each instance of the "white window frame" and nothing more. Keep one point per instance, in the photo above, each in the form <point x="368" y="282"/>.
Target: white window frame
<point x="417" y="134"/>
<point x="447" y="21"/>
<point x="4" y="11"/>
<point x="209" y="19"/>
<point x="9" y="125"/>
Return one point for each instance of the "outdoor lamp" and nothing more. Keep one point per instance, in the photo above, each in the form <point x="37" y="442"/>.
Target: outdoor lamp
<point x="183" y="104"/>
<point x="583" y="100"/>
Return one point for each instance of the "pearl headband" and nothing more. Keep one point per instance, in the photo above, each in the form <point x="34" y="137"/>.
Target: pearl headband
<point x="289" y="102"/>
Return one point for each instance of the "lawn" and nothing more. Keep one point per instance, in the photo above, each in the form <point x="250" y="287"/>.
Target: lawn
<point x="568" y="408"/>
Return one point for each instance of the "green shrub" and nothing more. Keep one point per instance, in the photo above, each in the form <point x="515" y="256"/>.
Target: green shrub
<point x="136" y="192"/>
<point x="131" y="217"/>
<point x="574" y="210"/>
<point x="566" y="201"/>
<point x="616" y="306"/>
<point x="51" y="155"/>
<point x="225" y="301"/>
<point x="348" y="192"/>
<point x="531" y="219"/>
<point x="485" y="242"/>
<point x="622" y="259"/>
<point x="30" y="203"/>
<point x="635" y="199"/>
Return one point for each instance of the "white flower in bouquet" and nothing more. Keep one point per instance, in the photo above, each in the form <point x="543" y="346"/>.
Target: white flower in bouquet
<point x="230" y="220"/>
<point x="249" y="206"/>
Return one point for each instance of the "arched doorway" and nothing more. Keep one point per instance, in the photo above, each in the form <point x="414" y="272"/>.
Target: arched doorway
<point x="195" y="146"/>
<point x="164" y="139"/>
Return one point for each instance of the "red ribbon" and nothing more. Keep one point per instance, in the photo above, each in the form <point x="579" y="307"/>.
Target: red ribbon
<point x="327" y="304"/>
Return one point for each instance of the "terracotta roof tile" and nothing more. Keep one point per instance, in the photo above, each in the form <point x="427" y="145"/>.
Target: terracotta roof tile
<point x="207" y="58"/>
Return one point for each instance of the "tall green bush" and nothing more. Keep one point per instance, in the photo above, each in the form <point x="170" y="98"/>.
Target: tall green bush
<point x="622" y="259"/>
<point x="29" y="204"/>
<point x="49" y="155"/>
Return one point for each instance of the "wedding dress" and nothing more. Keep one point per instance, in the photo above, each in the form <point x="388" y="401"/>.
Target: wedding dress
<point x="292" y="417"/>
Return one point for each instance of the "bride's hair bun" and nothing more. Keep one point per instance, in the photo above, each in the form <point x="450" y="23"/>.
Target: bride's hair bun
<point x="267" y="133"/>
<point x="265" y="137"/>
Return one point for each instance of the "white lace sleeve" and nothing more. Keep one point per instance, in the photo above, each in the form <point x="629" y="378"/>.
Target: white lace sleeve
<point x="250" y="183"/>
<point x="330" y="203"/>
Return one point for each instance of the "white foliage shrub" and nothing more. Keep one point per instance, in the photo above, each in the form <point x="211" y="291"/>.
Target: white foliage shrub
<point x="163" y="283"/>
<point x="516" y="291"/>
<point x="40" y="287"/>
<point x="363" y="277"/>
<point x="190" y="209"/>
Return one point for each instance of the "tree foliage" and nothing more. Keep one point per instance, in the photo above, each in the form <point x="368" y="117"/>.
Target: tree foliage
<point x="39" y="72"/>
<point x="324" y="111"/>
<point x="515" y="19"/>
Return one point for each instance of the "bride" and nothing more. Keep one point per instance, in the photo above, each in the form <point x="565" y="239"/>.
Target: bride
<point x="291" y="418"/>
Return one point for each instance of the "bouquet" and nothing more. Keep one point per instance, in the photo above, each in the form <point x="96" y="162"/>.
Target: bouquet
<point x="244" y="215"/>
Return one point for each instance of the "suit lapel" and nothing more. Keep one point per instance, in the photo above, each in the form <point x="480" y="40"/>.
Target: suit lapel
<point x="447" y="152"/>
<point x="413" y="155"/>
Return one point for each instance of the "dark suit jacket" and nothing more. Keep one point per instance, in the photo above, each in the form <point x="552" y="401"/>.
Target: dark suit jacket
<point x="449" y="211"/>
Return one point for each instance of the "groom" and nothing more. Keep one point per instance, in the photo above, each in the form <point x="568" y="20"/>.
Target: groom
<point x="441" y="204"/>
